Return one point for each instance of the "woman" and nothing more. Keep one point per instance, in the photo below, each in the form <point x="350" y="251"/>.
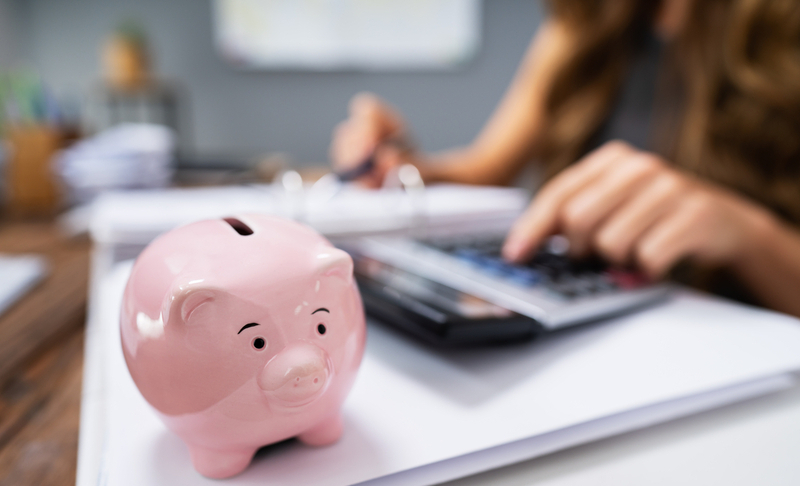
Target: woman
<point x="706" y="92"/>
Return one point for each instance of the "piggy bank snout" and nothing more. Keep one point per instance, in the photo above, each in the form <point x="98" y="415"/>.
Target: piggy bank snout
<point x="296" y="375"/>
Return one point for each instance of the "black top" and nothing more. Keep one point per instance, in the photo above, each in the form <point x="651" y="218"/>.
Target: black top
<point x="631" y="118"/>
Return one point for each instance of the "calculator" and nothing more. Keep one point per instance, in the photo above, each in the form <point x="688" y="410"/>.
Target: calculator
<point x="465" y="282"/>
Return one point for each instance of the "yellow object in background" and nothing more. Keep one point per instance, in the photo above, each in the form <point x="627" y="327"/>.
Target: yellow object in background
<point x="131" y="91"/>
<point x="126" y="59"/>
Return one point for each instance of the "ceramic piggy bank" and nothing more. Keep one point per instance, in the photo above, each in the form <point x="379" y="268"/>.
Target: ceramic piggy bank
<point x="242" y="332"/>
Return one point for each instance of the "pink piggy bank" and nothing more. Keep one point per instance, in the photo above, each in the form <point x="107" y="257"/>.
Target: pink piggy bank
<point x="242" y="332"/>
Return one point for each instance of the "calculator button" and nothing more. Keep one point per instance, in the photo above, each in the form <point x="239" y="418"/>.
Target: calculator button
<point x="556" y="272"/>
<point x="468" y="254"/>
<point x="527" y="277"/>
<point x="497" y="267"/>
<point x="563" y="290"/>
<point x="583" y="286"/>
<point x="604" y="283"/>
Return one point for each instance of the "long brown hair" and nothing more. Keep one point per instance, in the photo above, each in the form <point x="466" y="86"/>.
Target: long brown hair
<point x="738" y="67"/>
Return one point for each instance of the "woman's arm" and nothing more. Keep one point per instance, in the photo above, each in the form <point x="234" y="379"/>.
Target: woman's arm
<point x="509" y="138"/>
<point x="504" y="145"/>
<point x="771" y="268"/>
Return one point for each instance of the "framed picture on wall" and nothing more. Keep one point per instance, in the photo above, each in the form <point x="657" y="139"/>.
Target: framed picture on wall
<point x="348" y="34"/>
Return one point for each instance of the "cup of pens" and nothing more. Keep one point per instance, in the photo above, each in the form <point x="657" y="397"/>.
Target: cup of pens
<point x="32" y="131"/>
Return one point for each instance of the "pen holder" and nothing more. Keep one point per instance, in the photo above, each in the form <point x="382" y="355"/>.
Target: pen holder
<point x="32" y="190"/>
<point x="242" y="332"/>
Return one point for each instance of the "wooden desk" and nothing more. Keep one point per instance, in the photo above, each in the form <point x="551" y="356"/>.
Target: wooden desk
<point x="41" y="360"/>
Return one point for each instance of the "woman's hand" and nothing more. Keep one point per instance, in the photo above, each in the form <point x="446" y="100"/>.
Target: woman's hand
<point x="629" y="206"/>
<point x="371" y="130"/>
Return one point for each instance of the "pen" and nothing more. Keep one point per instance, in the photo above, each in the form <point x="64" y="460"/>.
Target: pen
<point x="368" y="164"/>
<point x="365" y="167"/>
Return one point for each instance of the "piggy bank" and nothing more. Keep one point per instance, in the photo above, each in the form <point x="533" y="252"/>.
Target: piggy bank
<point x="242" y="332"/>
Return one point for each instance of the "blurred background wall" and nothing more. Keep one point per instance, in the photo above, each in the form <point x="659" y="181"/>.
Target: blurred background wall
<point x="10" y="36"/>
<point x="235" y="114"/>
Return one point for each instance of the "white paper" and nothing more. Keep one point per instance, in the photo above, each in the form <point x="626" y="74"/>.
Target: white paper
<point x="414" y="406"/>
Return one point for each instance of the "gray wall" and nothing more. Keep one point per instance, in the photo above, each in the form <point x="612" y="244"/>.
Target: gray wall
<point x="10" y="37"/>
<point x="246" y="113"/>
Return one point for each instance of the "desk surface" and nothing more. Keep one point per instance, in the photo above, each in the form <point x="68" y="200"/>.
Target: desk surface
<point x="41" y="359"/>
<point x="41" y="348"/>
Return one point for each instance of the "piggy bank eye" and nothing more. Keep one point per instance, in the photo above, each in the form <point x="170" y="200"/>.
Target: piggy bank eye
<point x="321" y="327"/>
<point x="259" y="343"/>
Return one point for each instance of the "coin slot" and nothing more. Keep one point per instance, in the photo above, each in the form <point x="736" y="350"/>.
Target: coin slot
<point x="239" y="226"/>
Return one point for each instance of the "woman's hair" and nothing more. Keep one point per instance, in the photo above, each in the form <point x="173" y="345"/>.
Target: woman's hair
<point x="736" y="68"/>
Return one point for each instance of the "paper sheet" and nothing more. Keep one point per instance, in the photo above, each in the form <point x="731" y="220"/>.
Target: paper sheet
<point x="415" y="410"/>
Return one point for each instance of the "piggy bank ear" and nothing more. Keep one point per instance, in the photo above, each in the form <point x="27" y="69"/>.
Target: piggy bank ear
<point x="335" y="262"/>
<point x="183" y="302"/>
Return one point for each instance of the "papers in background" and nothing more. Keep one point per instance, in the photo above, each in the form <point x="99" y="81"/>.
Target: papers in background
<point x="139" y="216"/>
<point x="418" y="415"/>
<point x="18" y="274"/>
<point x="126" y="156"/>
<point x="332" y="34"/>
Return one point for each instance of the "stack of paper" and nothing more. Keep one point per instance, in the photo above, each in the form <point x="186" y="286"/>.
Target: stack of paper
<point x="130" y="155"/>
<point x="418" y="415"/>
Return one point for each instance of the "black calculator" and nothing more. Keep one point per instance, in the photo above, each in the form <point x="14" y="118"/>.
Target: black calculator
<point x="464" y="289"/>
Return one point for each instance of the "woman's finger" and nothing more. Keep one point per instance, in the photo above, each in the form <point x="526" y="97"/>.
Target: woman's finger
<point x="542" y="216"/>
<point x="676" y="236"/>
<point x="382" y="119"/>
<point x="616" y="238"/>
<point x="586" y="210"/>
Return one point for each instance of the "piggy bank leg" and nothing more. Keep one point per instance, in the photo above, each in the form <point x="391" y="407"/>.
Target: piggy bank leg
<point x="217" y="464"/>
<point x="326" y="432"/>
